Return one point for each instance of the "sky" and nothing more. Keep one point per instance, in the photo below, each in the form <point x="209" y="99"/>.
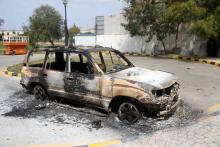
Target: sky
<point x="80" y="12"/>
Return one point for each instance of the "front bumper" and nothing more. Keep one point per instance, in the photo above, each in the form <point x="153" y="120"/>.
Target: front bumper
<point x="171" y="109"/>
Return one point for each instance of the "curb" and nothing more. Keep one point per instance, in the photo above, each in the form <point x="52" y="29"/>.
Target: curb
<point x="11" y="74"/>
<point x="177" y="57"/>
<point x="74" y="144"/>
<point x="198" y="60"/>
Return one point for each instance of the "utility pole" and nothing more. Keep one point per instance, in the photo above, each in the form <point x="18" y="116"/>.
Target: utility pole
<point x="65" y="24"/>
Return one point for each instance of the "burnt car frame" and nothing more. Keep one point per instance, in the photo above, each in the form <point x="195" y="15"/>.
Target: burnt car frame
<point x="103" y="78"/>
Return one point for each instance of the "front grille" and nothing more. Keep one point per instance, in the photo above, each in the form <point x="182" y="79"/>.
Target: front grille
<point x="161" y="92"/>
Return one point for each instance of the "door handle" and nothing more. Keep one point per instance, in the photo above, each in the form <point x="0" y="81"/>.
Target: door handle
<point x="44" y="74"/>
<point x="70" y="79"/>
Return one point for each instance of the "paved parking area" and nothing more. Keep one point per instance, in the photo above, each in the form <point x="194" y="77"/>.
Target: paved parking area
<point x="203" y="133"/>
<point x="192" y="125"/>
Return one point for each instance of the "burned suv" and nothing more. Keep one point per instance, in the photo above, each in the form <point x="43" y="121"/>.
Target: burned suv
<point x="101" y="77"/>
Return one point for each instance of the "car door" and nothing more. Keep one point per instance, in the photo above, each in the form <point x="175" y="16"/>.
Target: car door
<point x="82" y="82"/>
<point x="54" y="73"/>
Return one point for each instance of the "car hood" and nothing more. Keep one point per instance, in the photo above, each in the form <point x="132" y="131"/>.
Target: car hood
<point x="149" y="79"/>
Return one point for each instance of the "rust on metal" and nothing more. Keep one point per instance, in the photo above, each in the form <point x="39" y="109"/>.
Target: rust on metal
<point x="103" y="77"/>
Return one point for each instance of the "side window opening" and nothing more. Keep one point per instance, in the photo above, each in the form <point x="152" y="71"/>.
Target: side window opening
<point x="36" y="59"/>
<point x="80" y="64"/>
<point x="56" y="61"/>
<point x="97" y="56"/>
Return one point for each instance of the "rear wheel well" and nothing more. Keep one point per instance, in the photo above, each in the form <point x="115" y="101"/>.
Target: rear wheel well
<point x="118" y="100"/>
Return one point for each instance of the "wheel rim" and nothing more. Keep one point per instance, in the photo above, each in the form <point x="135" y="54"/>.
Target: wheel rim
<point x="39" y="93"/>
<point x="128" y="113"/>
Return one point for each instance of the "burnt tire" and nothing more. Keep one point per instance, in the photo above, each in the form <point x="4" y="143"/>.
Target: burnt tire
<point x="40" y="93"/>
<point x="129" y="112"/>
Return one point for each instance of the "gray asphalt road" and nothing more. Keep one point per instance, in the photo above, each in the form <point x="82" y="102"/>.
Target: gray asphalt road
<point x="22" y="125"/>
<point x="200" y="83"/>
<point x="6" y="60"/>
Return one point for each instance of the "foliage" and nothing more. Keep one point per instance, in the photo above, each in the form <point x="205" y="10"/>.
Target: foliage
<point x="1" y="22"/>
<point x="44" y="25"/>
<point x="209" y="26"/>
<point x="161" y="18"/>
<point x="147" y="19"/>
<point x="183" y="12"/>
<point x="74" y="30"/>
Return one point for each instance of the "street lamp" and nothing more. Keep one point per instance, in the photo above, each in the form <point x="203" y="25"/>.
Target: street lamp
<point x="65" y="24"/>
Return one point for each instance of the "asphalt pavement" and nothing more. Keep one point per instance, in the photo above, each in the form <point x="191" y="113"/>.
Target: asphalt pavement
<point x="22" y="125"/>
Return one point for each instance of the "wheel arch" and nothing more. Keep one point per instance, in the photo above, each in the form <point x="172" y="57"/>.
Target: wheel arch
<point x="117" y="100"/>
<point x="33" y="84"/>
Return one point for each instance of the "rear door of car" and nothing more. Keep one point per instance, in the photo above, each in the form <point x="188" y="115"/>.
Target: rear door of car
<point x="33" y="67"/>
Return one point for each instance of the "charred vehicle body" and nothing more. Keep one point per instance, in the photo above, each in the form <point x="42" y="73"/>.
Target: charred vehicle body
<point x="102" y="77"/>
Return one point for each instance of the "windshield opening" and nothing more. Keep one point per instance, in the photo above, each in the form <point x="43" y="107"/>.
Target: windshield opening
<point x="110" y="61"/>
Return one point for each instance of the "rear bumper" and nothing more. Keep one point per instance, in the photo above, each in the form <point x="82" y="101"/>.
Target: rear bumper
<point x="171" y="110"/>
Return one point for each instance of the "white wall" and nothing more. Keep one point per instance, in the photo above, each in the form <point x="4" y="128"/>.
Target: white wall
<point x="11" y="32"/>
<point x="125" y="43"/>
<point x="85" y="40"/>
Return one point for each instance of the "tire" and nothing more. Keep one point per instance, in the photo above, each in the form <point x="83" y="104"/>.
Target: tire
<point x="129" y="112"/>
<point x="40" y="93"/>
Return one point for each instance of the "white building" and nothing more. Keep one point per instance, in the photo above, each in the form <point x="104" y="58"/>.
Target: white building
<point x="11" y="32"/>
<point x="110" y="33"/>
<point x="85" y="39"/>
<point x="87" y="30"/>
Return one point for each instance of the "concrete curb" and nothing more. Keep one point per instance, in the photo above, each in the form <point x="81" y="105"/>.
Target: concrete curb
<point x="177" y="57"/>
<point x="74" y="144"/>
<point x="199" y="60"/>
<point x="11" y="74"/>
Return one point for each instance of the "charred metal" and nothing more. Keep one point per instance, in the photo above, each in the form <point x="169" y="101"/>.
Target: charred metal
<point x="101" y="77"/>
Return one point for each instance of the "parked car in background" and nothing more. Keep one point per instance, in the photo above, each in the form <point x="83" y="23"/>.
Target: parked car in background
<point x="101" y="77"/>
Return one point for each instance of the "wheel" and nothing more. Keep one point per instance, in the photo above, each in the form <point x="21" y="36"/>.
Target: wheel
<point x="129" y="112"/>
<point x="40" y="93"/>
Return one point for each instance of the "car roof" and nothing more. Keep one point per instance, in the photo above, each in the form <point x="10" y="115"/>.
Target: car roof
<point x="74" y="49"/>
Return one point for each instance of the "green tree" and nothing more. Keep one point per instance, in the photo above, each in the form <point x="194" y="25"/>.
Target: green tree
<point x="147" y="19"/>
<point x="161" y="18"/>
<point x="1" y="22"/>
<point x="74" y="30"/>
<point x="183" y="12"/>
<point x="208" y="26"/>
<point x="44" y="25"/>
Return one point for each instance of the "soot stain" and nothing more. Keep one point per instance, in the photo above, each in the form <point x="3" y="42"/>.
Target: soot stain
<point x="23" y="106"/>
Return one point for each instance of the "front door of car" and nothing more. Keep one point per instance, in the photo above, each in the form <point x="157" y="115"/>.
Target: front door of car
<point x="54" y="73"/>
<point x="82" y="82"/>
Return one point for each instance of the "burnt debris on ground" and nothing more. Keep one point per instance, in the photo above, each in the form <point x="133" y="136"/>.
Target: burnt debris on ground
<point x="24" y="105"/>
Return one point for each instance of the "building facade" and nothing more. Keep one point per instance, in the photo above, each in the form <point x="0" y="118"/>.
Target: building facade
<point x="11" y="32"/>
<point x="111" y="33"/>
